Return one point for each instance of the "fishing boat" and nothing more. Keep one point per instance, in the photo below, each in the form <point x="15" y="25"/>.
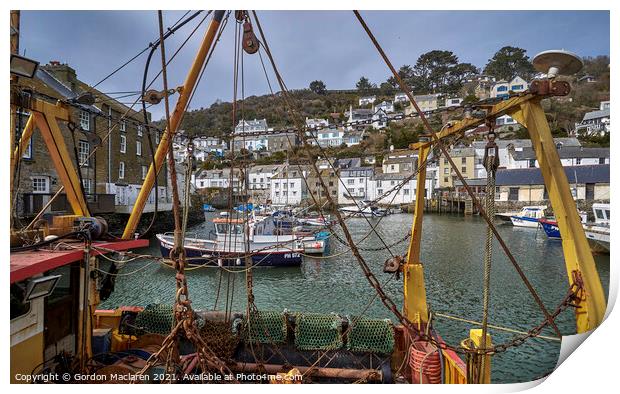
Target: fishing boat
<point x="550" y="227"/>
<point x="229" y="247"/>
<point x="528" y="216"/>
<point x="598" y="232"/>
<point x="364" y="211"/>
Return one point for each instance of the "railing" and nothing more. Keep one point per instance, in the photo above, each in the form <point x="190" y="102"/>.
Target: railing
<point x="32" y="203"/>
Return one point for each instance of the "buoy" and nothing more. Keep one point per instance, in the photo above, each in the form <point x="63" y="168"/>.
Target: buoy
<point x="425" y="363"/>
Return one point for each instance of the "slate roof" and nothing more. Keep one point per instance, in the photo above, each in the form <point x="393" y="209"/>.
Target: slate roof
<point x="503" y="144"/>
<point x="565" y="153"/>
<point x="603" y="113"/>
<point x="533" y="176"/>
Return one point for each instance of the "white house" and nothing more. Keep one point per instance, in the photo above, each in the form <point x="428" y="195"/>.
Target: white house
<point x="288" y="186"/>
<point x="218" y="179"/>
<point x="504" y="147"/>
<point x="312" y="123"/>
<point x="354" y="185"/>
<point x="367" y="100"/>
<point x="569" y="156"/>
<point x="326" y="137"/>
<point x="453" y="102"/>
<point x="388" y="183"/>
<point x="379" y="119"/>
<point x="504" y="88"/>
<point x="353" y="137"/>
<point x="595" y="122"/>
<point x="401" y="98"/>
<point x="386" y="106"/>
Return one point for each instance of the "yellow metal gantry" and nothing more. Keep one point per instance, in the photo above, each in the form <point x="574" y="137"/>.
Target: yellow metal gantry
<point x="580" y="266"/>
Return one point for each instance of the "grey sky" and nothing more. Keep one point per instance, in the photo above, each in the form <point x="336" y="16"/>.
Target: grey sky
<point x="307" y="45"/>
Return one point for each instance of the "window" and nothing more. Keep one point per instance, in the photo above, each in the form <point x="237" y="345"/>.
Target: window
<point x="532" y="163"/>
<point x="514" y="88"/>
<point x="85" y="120"/>
<point x="123" y="143"/>
<point x="463" y="169"/>
<point x="83" y="152"/>
<point x="463" y="160"/>
<point x="122" y="125"/>
<point x="292" y="184"/>
<point x="40" y="184"/>
<point x="139" y="130"/>
<point x="139" y="148"/>
<point x="446" y="171"/>
<point x="361" y="190"/>
<point x="28" y="151"/>
<point x="601" y="160"/>
<point x="121" y="170"/>
<point x="88" y="185"/>
<point x="145" y="170"/>
<point x="350" y="181"/>
<point x="380" y="191"/>
<point x="406" y="192"/>
<point x="156" y="137"/>
<point x="502" y="88"/>
<point x="578" y="161"/>
<point x="445" y="180"/>
<point x="378" y="183"/>
<point x="277" y="194"/>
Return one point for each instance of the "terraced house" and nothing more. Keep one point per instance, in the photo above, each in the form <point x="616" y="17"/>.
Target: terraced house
<point x="112" y="175"/>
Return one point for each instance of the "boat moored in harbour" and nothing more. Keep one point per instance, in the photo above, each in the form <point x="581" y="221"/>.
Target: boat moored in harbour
<point x="529" y="216"/>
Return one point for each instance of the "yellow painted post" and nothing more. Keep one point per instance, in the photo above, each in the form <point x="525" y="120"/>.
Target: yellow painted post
<point x="577" y="254"/>
<point x="475" y="336"/>
<point x="175" y="120"/>
<point x="414" y="305"/>
<point x="54" y="140"/>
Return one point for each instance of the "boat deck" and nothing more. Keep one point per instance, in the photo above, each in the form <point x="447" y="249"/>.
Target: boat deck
<point x="27" y="264"/>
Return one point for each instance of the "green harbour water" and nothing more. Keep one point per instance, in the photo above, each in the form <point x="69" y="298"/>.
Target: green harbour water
<point x="452" y="253"/>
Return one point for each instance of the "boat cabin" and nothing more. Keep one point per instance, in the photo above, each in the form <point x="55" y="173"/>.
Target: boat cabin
<point x="602" y="213"/>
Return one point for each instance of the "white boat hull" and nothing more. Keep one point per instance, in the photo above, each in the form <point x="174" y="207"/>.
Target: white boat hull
<point x="523" y="222"/>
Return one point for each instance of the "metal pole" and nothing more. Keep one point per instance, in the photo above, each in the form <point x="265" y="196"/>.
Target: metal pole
<point x="175" y="121"/>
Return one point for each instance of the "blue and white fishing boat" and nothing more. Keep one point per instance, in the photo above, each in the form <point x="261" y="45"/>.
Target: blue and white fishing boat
<point x="529" y="216"/>
<point x="229" y="247"/>
<point x="550" y="226"/>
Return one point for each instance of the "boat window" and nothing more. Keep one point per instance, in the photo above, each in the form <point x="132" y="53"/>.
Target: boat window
<point x="608" y="213"/>
<point x="18" y="306"/>
<point x="599" y="214"/>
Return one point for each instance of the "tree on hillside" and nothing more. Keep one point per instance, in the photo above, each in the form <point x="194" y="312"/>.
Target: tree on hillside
<point x="596" y="66"/>
<point x="364" y="85"/>
<point x="318" y="87"/>
<point x="509" y="62"/>
<point x="386" y="88"/>
<point x="440" y="72"/>
<point x="405" y="73"/>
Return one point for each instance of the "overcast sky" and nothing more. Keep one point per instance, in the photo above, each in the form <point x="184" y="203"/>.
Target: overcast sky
<point x="307" y="45"/>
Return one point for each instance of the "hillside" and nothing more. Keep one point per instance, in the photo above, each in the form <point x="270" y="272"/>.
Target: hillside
<point x="217" y="119"/>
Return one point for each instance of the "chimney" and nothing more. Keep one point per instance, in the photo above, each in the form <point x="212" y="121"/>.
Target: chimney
<point x="63" y="72"/>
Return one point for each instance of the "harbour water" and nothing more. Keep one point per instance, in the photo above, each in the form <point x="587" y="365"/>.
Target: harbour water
<point x="452" y="253"/>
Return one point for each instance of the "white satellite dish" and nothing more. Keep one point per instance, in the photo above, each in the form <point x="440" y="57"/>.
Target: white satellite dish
<point x="557" y="62"/>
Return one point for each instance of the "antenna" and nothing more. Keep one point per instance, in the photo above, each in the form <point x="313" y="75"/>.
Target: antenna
<point x="557" y="62"/>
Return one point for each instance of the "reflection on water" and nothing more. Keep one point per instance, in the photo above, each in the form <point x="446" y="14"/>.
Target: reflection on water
<point x="452" y="254"/>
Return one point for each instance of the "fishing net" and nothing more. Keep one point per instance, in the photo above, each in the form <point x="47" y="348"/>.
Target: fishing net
<point x="219" y="338"/>
<point x="316" y="331"/>
<point x="156" y="318"/>
<point x="370" y="335"/>
<point x="266" y="327"/>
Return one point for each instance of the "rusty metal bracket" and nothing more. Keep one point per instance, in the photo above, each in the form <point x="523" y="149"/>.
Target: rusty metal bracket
<point x="547" y="87"/>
